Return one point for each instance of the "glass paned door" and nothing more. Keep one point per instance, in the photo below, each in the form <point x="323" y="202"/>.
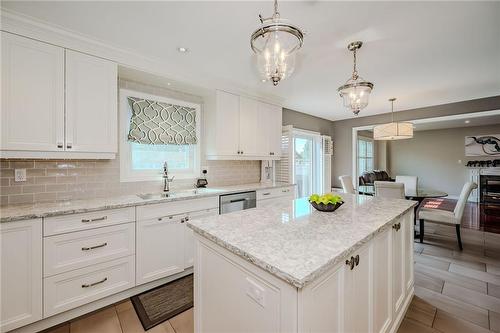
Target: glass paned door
<point x="308" y="164"/>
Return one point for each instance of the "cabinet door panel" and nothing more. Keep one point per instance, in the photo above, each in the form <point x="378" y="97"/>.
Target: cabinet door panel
<point x="274" y="130"/>
<point x="91" y="103"/>
<point x="407" y="228"/>
<point x="358" y="287"/>
<point x="21" y="273"/>
<point x="250" y="128"/>
<point x="189" y="235"/>
<point x="324" y="303"/>
<point x="32" y="113"/>
<point x="227" y="123"/>
<point x="382" y="291"/>
<point x="160" y="250"/>
<point x="398" y="267"/>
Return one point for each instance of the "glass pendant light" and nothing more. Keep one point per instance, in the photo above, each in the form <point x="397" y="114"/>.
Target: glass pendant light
<point x="356" y="91"/>
<point x="276" y="43"/>
<point x="393" y="130"/>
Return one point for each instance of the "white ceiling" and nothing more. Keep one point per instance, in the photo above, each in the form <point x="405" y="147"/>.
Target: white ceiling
<point x="423" y="53"/>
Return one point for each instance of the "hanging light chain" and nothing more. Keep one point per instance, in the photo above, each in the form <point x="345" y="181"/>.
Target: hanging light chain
<point x="354" y="71"/>
<point x="276" y="12"/>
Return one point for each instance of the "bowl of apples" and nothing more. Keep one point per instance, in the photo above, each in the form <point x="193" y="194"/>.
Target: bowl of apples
<point x="327" y="202"/>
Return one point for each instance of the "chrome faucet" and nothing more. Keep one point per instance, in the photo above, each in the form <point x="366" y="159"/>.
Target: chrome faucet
<point x="166" y="179"/>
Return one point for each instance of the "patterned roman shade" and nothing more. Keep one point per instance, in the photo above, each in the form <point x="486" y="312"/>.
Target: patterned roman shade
<point x="159" y="123"/>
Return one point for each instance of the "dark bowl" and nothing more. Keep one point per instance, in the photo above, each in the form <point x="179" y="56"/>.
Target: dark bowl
<point x="326" y="208"/>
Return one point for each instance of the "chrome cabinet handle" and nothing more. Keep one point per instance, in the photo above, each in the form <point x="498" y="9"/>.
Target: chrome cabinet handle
<point x="164" y="217"/>
<point x="186" y="218"/>
<point x="284" y="191"/>
<point x="350" y="263"/>
<point x="94" y="247"/>
<point x="60" y="145"/>
<point x="183" y="220"/>
<point x="396" y="226"/>
<point x="271" y="153"/>
<point x="88" y="285"/>
<point x="95" y="220"/>
<point x="356" y="260"/>
<point x="267" y="193"/>
<point x="69" y="145"/>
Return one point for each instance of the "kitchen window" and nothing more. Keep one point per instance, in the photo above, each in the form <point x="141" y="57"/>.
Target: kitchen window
<point x="365" y="155"/>
<point x="145" y="148"/>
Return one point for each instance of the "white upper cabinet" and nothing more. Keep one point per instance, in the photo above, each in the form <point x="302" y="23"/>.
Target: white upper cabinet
<point x="242" y="128"/>
<point x="249" y="127"/>
<point x="56" y="103"/>
<point x="32" y="114"/>
<point x="91" y="114"/>
<point x="225" y="124"/>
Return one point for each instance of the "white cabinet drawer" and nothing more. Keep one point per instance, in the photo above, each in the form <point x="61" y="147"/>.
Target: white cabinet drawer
<point x="72" y="289"/>
<point x="75" y="222"/>
<point x="275" y="192"/>
<point x="84" y="248"/>
<point x="176" y="207"/>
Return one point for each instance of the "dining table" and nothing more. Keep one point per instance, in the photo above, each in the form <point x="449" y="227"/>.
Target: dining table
<point x="419" y="195"/>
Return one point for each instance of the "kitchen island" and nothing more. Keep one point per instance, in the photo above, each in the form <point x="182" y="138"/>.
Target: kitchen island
<point x="288" y="268"/>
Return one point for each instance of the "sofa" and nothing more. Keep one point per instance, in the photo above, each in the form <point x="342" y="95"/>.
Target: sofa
<point x="368" y="177"/>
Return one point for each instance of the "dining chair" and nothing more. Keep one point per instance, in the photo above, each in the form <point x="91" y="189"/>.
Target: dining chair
<point x="410" y="184"/>
<point x="389" y="189"/>
<point x="435" y="215"/>
<point x="347" y="186"/>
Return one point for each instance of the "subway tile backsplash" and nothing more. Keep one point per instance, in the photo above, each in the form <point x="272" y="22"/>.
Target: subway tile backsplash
<point x="57" y="180"/>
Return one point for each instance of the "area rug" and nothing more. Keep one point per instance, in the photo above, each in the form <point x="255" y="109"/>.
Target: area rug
<point x="164" y="302"/>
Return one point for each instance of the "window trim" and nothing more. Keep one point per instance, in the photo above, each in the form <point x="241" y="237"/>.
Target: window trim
<point x="366" y="139"/>
<point x="125" y="154"/>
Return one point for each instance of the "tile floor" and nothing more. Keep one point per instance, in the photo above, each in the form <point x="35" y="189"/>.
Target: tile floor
<point x="455" y="291"/>
<point x="121" y="318"/>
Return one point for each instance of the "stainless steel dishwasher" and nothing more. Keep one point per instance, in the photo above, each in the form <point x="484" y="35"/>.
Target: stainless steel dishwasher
<point x="237" y="201"/>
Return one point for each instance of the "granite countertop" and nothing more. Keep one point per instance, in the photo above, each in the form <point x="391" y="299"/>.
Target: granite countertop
<point x="296" y="243"/>
<point x="11" y="213"/>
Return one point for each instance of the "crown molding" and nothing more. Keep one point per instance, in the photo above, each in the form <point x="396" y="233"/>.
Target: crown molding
<point x="34" y="28"/>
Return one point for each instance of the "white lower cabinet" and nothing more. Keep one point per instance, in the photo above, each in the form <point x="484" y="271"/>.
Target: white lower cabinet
<point x="358" y="289"/>
<point x="382" y="272"/>
<point x="368" y="291"/>
<point x="20" y="274"/>
<point x="165" y="245"/>
<point x="74" y="288"/>
<point x="189" y="235"/>
<point x="160" y="250"/>
<point x="398" y="266"/>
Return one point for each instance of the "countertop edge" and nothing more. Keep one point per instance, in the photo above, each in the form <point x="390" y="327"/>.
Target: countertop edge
<point x="61" y="211"/>
<point x="296" y="282"/>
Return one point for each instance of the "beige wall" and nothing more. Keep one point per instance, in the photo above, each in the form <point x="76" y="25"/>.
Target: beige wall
<point x="437" y="157"/>
<point x="307" y="122"/>
<point x="342" y="129"/>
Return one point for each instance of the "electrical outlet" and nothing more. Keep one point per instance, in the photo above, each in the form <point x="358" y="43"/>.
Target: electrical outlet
<point x="19" y="175"/>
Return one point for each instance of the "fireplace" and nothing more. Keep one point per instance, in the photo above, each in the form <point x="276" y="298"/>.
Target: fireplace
<point x="490" y="189"/>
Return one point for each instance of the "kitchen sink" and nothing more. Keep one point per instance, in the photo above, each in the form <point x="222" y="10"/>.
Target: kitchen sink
<point x="177" y="194"/>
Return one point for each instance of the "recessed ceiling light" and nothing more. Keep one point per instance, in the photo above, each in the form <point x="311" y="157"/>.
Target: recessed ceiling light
<point x="264" y="80"/>
<point x="168" y="83"/>
<point x="467" y="121"/>
<point x="182" y="49"/>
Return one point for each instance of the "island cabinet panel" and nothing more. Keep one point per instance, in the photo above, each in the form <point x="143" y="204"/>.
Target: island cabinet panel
<point x="398" y="265"/>
<point x="382" y="290"/>
<point x="189" y="234"/>
<point x="21" y="273"/>
<point x="408" y="232"/>
<point x="326" y="296"/>
<point x="358" y="290"/>
<point x="232" y="295"/>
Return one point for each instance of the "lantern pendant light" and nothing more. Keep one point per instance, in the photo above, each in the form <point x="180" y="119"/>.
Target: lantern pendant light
<point x="356" y="91"/>
<point x="276" y="43"/>
<point x="393" y="130"/>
